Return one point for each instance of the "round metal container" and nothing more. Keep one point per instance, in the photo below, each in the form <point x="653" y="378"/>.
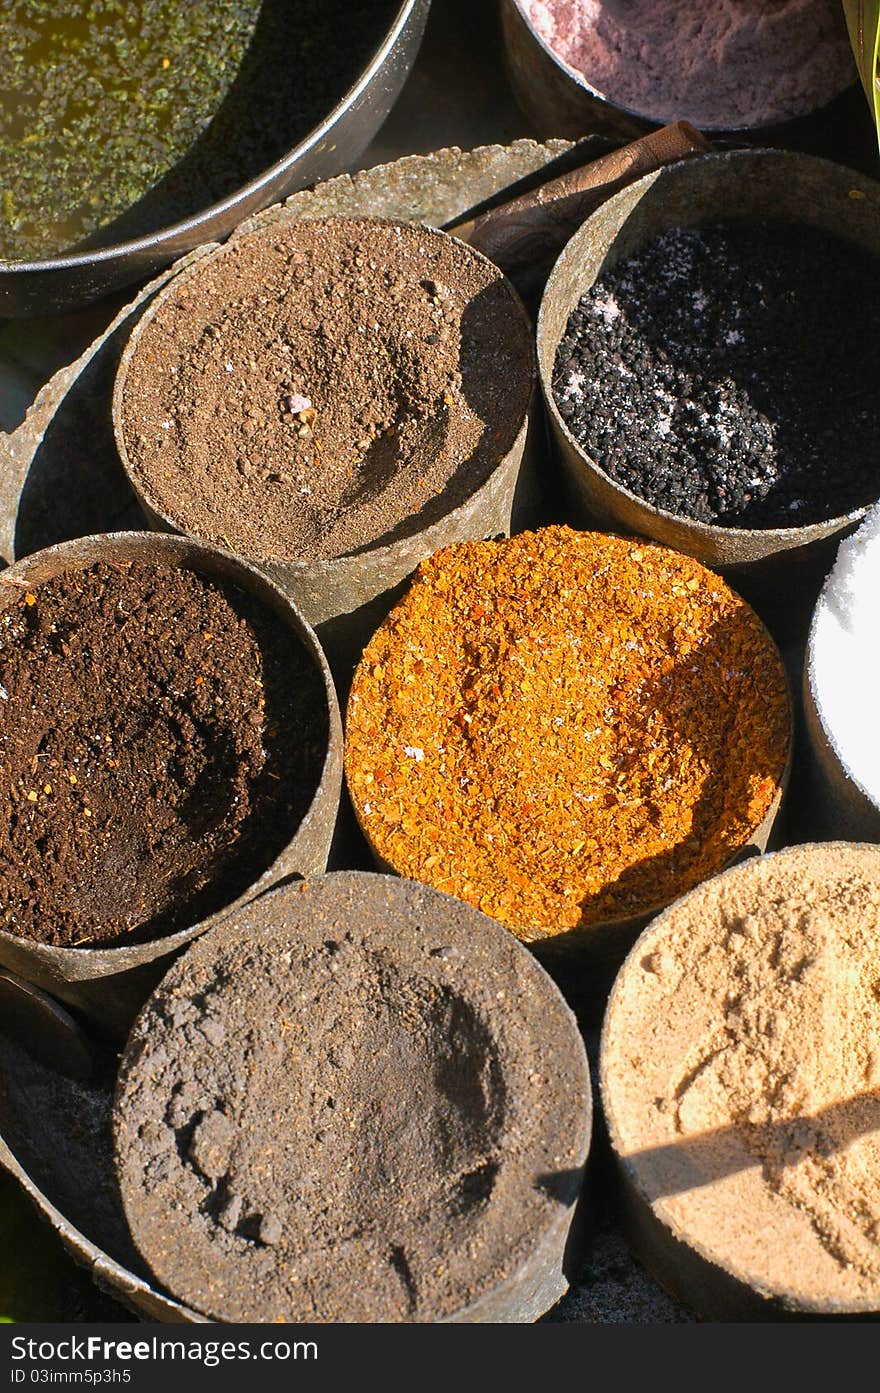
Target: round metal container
<point x="601" y="947"/>
<point x="747" y="184"/>
<point x="61" y="1163"/>
<point x="558" y="100"/>
<point x="109" y="984"/>
<point x="433" y="943"/>
<point x="63" y="283"/>
<point x="712" y="1286"/>
<point x="346" y="597"/>
<point x="843" y="806"/>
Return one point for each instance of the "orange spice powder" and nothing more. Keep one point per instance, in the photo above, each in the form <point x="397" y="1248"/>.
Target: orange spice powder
<point x="566" y="728"/>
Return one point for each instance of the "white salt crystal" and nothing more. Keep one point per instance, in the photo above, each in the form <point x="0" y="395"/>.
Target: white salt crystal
<point x="608" y="308"/>
<point x="413" y="752"/>
<point x="846" y="654"/>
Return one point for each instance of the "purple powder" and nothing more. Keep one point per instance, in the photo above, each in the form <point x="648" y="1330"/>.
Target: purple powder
<point x="717" y="63"/>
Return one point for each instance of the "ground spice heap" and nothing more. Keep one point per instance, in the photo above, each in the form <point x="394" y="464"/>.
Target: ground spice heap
<point x="161" y="737"/>
<point x="320" y="386"/>
<point x="119" y="117"/>
<point x="344" y="1106"/>
<point x="741" y="1071"/>
<point x="728" y="374"/>
<point x="565" y="728"/>
<point x="718" y="63"/>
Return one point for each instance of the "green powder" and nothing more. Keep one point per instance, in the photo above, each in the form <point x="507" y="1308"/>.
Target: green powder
<point x="121" y="117"/>
<point x="98" y="100"/>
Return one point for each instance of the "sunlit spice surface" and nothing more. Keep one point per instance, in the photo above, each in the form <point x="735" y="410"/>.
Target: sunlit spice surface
<point x="566" y="728"/>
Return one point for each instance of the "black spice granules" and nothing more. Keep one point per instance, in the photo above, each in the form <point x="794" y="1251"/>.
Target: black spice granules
<point x="728" y="374"/>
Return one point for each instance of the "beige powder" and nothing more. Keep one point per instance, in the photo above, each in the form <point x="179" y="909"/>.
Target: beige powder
<point x="741" y="1072"/>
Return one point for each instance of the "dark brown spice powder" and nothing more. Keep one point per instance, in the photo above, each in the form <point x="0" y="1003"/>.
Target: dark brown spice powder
<point x="161" y="737"/>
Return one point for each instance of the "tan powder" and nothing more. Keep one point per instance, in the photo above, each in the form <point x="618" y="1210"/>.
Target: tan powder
<point x="741" y="1072"/>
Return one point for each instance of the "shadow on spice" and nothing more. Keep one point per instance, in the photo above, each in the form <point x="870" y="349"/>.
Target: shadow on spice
<point x="720" y="721"/>
<point x="496" y="371"/>
<point x="708" y="1157"/>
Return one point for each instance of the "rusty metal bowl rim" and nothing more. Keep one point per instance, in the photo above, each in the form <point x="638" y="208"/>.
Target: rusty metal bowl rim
<point x="788" y="536"/>
<point x="120" y="957"/>
<point x="581" y="80"/>
<point x="311" y="567"/>
<point x="151" y="240"/>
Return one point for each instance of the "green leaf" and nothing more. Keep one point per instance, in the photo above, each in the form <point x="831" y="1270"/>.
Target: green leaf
<point x="863" y="22"/>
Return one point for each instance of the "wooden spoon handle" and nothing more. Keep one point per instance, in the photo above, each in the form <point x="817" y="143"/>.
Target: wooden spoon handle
<point x="535" y="226"/>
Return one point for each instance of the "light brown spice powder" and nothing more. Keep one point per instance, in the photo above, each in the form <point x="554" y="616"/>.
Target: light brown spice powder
<point x="741" y="1072"/>
<point x="313" y="388"/>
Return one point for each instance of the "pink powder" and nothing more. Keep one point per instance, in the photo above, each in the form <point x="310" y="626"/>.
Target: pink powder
<point x="717" y="63"/>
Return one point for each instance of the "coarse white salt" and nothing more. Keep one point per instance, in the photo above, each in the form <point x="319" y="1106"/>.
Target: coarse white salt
<point x="413" y="752"/>
<point x="608" y="308"/>
<point x="575" y="384"/>
<point x="846" y="654"/>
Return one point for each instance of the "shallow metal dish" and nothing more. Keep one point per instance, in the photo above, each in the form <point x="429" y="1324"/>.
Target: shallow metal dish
<point x="64" y="283"/>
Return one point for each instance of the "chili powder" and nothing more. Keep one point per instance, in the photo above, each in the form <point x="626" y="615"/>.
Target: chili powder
<point x="566" y="728"/>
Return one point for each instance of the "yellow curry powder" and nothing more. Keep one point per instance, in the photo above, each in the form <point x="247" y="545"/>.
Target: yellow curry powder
<point x="565" y="728"/>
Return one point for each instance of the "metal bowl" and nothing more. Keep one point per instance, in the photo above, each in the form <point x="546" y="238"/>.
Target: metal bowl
<point x="584" y="960"/>
<point x="765" y="564"/>
<point x="685" y="1260"/>
<point x="56" y="1085"/>
<point x="64" y="283"/>
<point x="109" y="985"/>
<point x="345" y="598"/>
<point x="558" y="100"/>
